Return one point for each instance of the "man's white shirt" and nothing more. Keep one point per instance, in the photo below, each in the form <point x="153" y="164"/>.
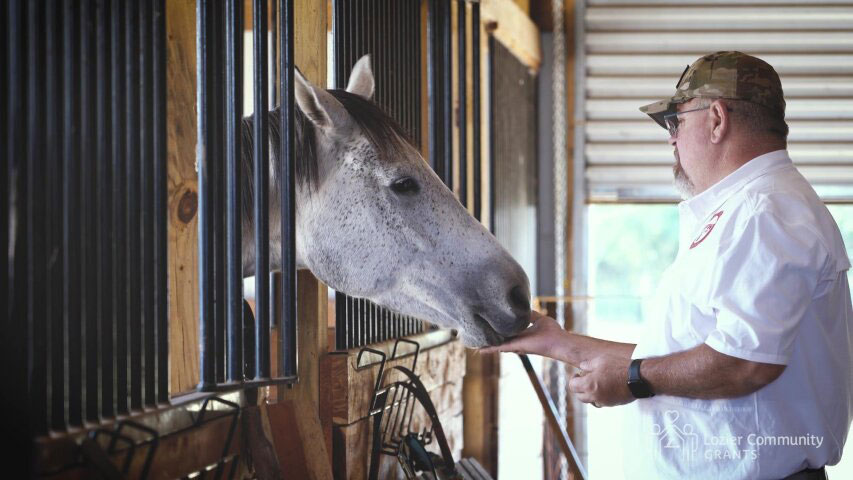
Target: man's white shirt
<point x="760" y="275"/>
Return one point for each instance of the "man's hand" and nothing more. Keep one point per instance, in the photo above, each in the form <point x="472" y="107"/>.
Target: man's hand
<point x="602" y="381"/>
<point x="545" y="337"/>
<point x="542" y="337"/>
<point x="603" y="376"/>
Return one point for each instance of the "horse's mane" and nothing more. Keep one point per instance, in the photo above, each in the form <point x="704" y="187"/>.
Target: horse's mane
<point x="385" y="135"/>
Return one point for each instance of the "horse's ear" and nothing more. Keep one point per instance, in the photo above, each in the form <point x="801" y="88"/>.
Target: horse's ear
<point x="361" y="78"/>
<point x="324" y="110"/>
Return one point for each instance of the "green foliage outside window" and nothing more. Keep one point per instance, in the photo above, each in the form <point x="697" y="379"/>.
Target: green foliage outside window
<point x="630" y="245"/>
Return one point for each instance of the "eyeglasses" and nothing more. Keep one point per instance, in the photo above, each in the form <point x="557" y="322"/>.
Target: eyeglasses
<point x="671" y="119"/>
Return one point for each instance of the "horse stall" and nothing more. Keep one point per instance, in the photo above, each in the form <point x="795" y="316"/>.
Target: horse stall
<point x="180" y="298"/>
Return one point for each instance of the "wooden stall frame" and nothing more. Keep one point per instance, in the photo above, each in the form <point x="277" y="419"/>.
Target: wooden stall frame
<point x="509" y="24"/>
<point x="282" y="410"/>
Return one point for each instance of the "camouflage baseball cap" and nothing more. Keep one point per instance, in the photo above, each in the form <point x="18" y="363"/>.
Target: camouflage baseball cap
<point x="732" y="75"/>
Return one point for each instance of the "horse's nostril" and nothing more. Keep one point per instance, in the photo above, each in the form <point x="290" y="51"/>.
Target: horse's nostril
<point x="519" y="299"/>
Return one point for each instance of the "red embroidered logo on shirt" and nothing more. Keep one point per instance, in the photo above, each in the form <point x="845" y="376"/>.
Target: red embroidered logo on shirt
<point x="707" y="230"/>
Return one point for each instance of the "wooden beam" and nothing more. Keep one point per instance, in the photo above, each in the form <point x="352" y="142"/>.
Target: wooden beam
<point x="424" y="93"/>
<point x="513" y="27"/>
<point x="182" y="229"/>
<point x="351" y="388"/>
<point x="299" y="440"/>
<point x="480" y="398"/>
<point x="482" y="376"/>
<point x="293" y="412"/>
<point x="485" y="126"/>
<point x="542" y="14"/>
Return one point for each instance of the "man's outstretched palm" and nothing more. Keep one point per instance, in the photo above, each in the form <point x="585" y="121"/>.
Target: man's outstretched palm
<point x="542" y="337"/>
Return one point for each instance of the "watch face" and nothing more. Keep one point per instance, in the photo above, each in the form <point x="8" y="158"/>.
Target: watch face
<point x="640" y="389"/>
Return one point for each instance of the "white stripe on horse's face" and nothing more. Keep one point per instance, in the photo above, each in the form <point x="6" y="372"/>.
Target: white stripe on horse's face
<point x="389" y="230"/>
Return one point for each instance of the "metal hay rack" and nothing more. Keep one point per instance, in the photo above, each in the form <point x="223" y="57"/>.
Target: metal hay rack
<point x="393" y="410"/>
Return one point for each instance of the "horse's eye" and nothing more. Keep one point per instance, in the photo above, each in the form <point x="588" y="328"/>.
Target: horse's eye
<point x="405" y="186"/>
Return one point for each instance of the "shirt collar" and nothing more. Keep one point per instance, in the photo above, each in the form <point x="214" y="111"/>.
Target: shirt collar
<point x="701" y="205"/>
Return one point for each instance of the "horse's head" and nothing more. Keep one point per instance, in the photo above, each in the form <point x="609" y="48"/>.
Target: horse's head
<point x="378" y="223"/>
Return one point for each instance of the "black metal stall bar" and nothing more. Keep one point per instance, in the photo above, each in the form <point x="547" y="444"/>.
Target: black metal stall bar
<point x="490" y="109"/>
<point x="462" y="87"/>
<point x="390" y="31"/>
<point x="204" y="53"/>
<point x="475" y="106"/>
<point x="439" y="89"/>
<point x="445" y="65"/>
<point x="287" y="167"/>
<point x="234" y="343"/>
<point x="261" y="181"/>
<point x="233" y="149"/>
<point x="83" y="209"/>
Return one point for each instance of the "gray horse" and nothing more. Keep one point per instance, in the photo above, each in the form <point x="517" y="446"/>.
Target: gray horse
<point x="374" y="221"/>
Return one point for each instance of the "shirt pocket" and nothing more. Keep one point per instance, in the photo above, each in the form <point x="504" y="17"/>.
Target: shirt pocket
<point x="690" y="318"/>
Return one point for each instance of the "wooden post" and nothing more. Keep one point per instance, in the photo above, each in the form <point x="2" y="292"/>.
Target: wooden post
<point x="542" y="14"/>
<point x="302" y="445"/>
<point x="294" y="415"/>
<point x="182" y="196"/>
<point x="509" y="23"/>
<point x="482" y="375"/>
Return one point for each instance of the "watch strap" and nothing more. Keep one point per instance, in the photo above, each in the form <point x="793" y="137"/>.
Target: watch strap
<point x="638" y="386"/>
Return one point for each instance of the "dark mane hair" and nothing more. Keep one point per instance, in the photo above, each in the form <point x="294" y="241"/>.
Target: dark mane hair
<point x="383" y="132"/>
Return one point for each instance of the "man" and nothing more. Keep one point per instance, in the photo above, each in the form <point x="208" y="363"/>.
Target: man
<point x="747" y="372"/>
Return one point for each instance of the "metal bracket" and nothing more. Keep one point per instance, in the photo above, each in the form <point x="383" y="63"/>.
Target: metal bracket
<point x="358" y="366"/>
<point x="410" y="342"/>
<point x="235" y="415"/>
<point x="98" y="457"/>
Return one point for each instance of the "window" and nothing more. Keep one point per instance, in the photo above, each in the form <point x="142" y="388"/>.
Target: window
<point x="629" y="246"/>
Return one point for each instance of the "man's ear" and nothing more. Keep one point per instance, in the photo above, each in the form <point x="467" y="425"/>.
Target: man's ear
<point x="323" y="109"/>
<point x="361" y="78"/>
<point x="721" y="120"/>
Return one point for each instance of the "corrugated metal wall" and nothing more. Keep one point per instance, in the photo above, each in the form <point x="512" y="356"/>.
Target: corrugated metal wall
<point x="635" y="52"/>
<point x="515" y="157"/>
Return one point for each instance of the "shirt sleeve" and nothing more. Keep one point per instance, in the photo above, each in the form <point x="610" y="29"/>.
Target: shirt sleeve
<point x="764" y="283"/>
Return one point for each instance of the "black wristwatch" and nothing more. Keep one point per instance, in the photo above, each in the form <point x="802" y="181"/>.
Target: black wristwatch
<point x="639" y="387"/>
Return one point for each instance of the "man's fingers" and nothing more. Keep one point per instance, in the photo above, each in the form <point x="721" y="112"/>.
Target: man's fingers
<point x="577" y="384"/>
<point x="504" y="347"/>
<point x="585" y="397"/>
<point x="495" y="349"/>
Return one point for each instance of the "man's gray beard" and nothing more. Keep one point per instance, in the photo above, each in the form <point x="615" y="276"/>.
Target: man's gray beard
<point x="681" y="180"/>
